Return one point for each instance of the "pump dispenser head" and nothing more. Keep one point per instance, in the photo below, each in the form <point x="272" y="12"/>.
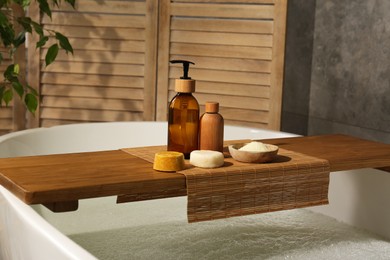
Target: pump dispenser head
<point x="185" y="84"/>
<point x="186" y="67"/>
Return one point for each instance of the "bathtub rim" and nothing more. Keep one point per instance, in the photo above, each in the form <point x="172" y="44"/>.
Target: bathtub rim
<point x="61" y="242"/>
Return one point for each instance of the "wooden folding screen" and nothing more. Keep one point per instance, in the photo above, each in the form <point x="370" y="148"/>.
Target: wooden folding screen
<point x="238" y="49"/>
<point x="111" y="76"/>
<point x="120" y="69"/>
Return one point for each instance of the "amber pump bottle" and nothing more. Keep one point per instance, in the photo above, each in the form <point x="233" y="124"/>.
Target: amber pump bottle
<point x="211" y="128"/>
<point x="183" y="115"/>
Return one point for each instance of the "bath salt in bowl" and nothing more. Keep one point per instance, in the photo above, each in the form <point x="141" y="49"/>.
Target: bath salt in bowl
<point x="253" y="152"/>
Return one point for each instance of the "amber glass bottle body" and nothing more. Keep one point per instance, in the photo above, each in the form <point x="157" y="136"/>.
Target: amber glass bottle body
<point x="183" y="124"/>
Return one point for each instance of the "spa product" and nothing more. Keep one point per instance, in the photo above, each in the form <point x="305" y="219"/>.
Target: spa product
<point x="206" y="159"/>
<point x="254" y="152"/>
<point x="168" y="161"/>
<point x="211" y="128"/>
<point x="183" y="116"/>
<point x="254" y="147"/>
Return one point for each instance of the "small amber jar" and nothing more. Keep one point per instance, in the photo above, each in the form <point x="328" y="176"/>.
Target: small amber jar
<point x="211" y="128"/>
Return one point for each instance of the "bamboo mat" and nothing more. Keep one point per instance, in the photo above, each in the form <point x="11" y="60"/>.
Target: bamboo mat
<point x="292" y="180"/>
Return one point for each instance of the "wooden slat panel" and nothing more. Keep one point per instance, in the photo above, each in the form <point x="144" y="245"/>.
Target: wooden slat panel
<point x="224" y="76"/>
<point x="17" y="120"/>
<point x="93" y="92"/>
<point x="232" y="64"/>
<point x="95" y="68"/>
<point x="111" y="7"/>
<point x="105" y="45"/>
<point x="101" y="56"/>
<point x="250" y="103"/>
<point x="93" y="103"/>
<point x="5" y="112"/>
<point x="244" y="115"/>
<point x="221" y="51"/>
<point x="96" y="20"/>
<point x="228" y="1"/>
<point x="55" y="122"/>
<point x="223" y="10"/>
<point x="6" y="123"/>
<point x="257" y="40"/>
<point x="99" y="32"/>
<point x="107" y="76"/>
<point x="236" y="50"/>
<point x="247" y="124"/>
<point x="92" y="80"/>
<point x="89" y="115"/>
<point x="234" y="101"/>
<point x="207" y="87"/>
<point x="222" y="25"/>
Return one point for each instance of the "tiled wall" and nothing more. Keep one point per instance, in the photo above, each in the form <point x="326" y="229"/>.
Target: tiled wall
<point x="337" y="76"/>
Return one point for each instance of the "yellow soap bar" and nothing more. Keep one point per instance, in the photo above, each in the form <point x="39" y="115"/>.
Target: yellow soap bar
<point x="168" y="161"/>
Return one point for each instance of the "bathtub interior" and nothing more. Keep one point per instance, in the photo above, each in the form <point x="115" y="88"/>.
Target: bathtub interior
<point x="158" y="229"/>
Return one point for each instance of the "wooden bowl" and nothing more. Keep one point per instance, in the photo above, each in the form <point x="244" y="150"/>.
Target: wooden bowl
<point x="253" y="157"/>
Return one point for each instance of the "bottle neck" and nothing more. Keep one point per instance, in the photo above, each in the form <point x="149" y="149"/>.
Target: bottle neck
<point x="184" y="93"/>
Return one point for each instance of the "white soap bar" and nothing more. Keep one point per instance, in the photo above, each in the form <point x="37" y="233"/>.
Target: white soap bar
<point x="206" y="159"/>
<point x="254" y="147"/>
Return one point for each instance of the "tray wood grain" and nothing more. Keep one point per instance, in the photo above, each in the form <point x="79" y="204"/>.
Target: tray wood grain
<point x="59" y="181"/>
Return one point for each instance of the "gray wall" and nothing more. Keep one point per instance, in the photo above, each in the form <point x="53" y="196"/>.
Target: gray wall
<point x="337" y="72"/>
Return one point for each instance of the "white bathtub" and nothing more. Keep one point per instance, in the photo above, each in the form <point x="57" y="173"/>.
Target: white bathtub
<point x="158" y="229"/>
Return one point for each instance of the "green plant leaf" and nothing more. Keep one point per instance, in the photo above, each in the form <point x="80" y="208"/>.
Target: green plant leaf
<point x="18" y="88"/>
<point x="44" y="7"/>
<point x="20" y="39"/>
<point x="64" y="42"/>
<point x="7" y="96"/>
<point x="19" y="2"/>
<point x="71" y="2"/>
<point x="16" y="69"/>
<point x="11" y="73"/>
<point x="26" y="3"/>
<point x="38" y="28"/>
<point x="55" y="2"/>
<point x="3" y="3"/>
<point x="25" y="22"/>
<point x="42" y="41"/>
<point x="31" y="102"/>
<point x="2" y="89"/>
<point x="3" y="19"/>
<point x="7" y="34"/>
<point x="32" y="90"/>
<point x="51" y="54"/>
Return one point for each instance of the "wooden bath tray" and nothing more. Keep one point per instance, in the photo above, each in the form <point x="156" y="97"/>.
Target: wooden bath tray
<point x="59" y="181"/>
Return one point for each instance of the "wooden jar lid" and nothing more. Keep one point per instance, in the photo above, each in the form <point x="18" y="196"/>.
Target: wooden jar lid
<point x="211" y="107"/>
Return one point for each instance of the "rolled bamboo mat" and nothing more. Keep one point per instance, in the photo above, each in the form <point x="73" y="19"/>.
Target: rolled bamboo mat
<point x="292" y="180"/>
